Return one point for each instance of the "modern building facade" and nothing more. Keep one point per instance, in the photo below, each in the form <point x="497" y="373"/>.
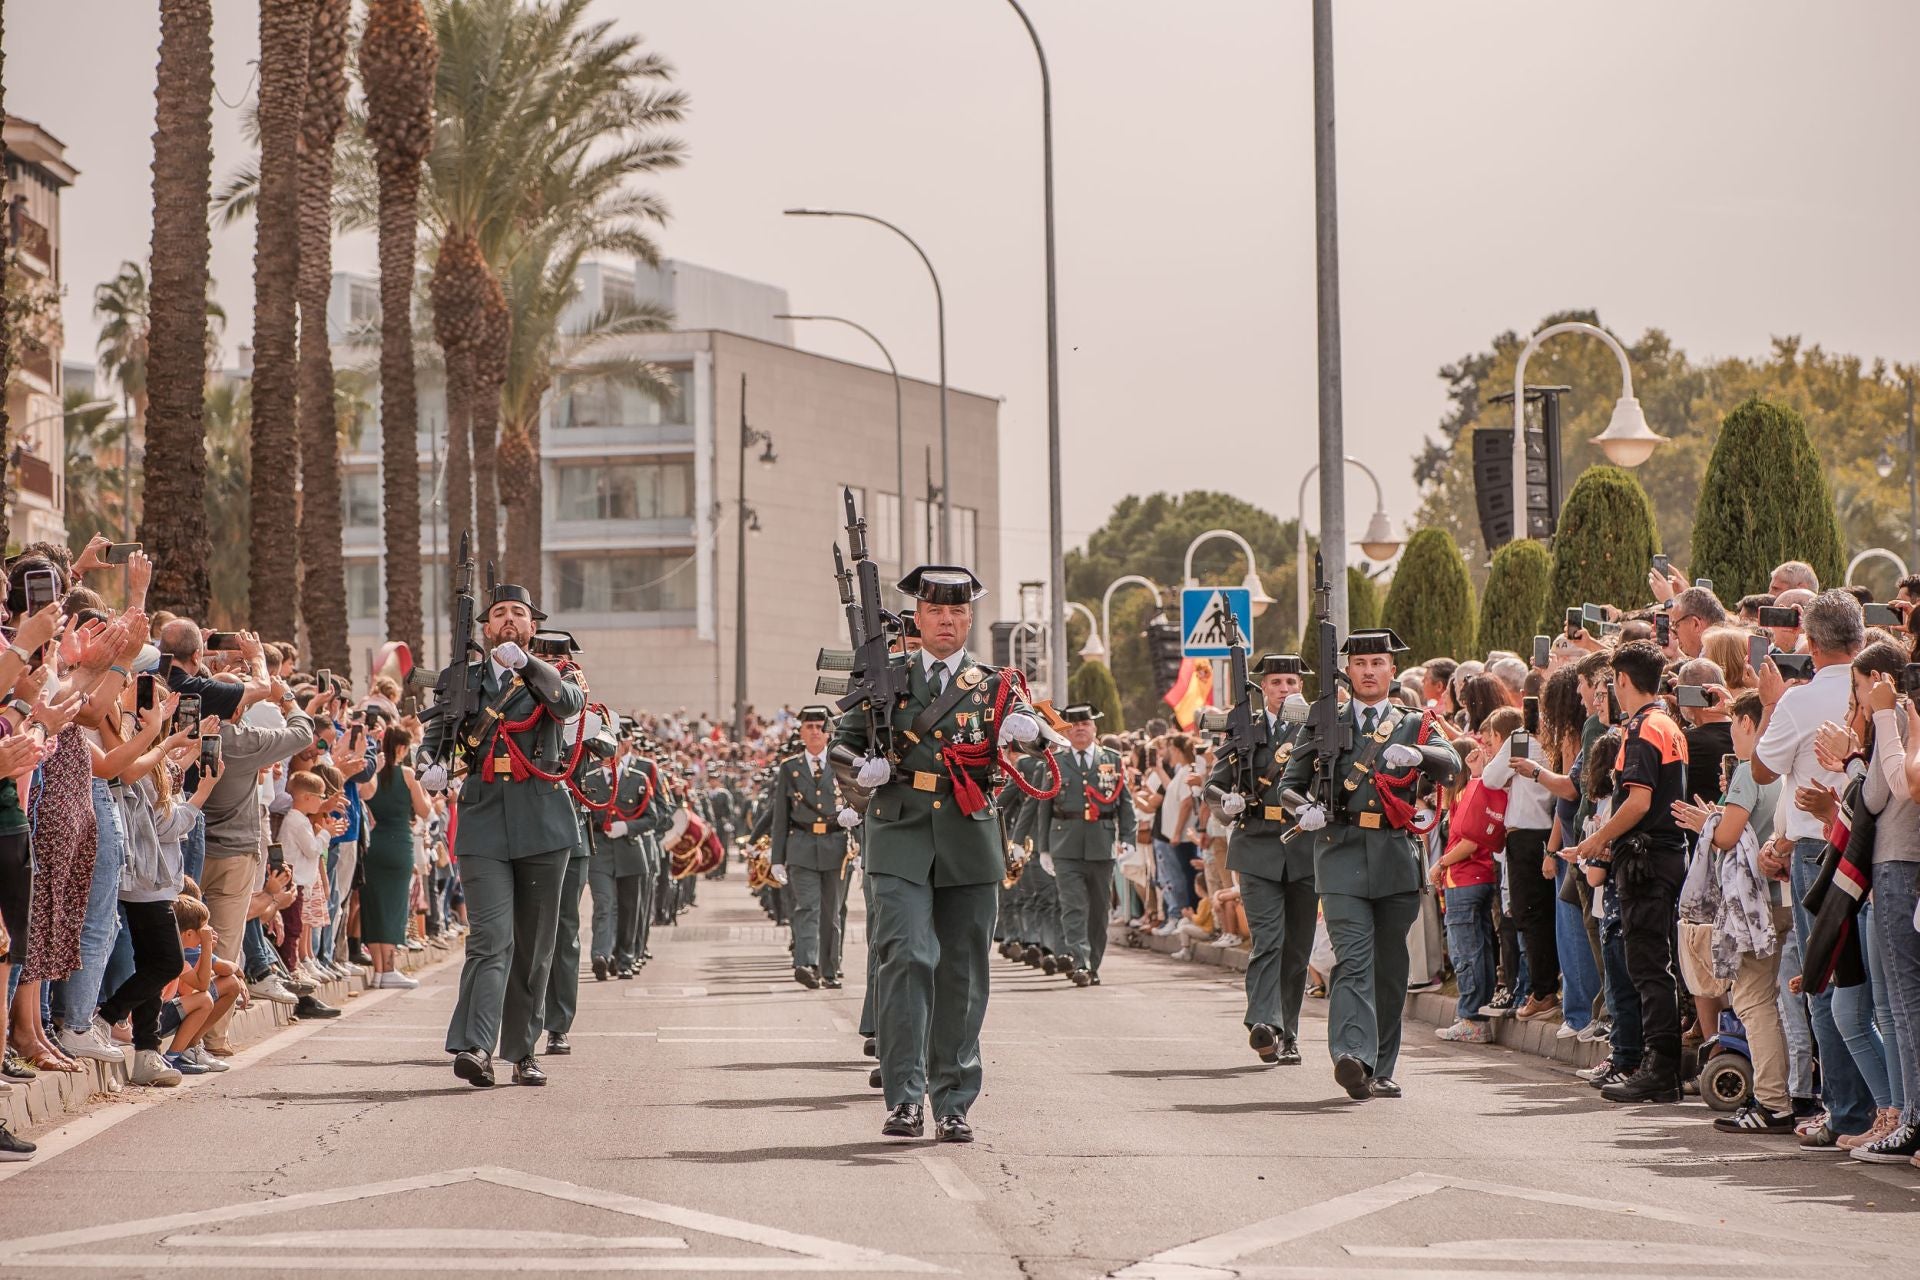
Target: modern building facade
<point x="37" y="172"/>
<point x="643" y="524"/>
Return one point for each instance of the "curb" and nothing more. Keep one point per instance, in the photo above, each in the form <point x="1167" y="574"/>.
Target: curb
<point x="1428" y="1008"/>
<point x="54" y="1095"/>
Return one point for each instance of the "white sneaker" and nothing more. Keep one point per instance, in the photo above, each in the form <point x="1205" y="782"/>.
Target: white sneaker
<point x="270" y="988"/>
<point x="1228" y="940"/>
<point x="1184" y="953"/>
<point x="395" y="979"/>
<point x="88" y="1044"/>
<point x="1464" y="1031"/>
<point x="1566" y="1032"/>
<point x="1169" y="928"/>
<point x="150" y="1068"/>
<point x="1595" y="1032"/>
<point x="200" y="1057"/>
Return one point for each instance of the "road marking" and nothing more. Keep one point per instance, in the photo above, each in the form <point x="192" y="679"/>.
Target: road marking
<point x="1618" y="1253"/>
<point x="468" y="1239"/>
<point x="844" y="1025"/>
<point x="672" y="993"/>
<point x="950" y="1177"/>
<point x="60" y="1249"/>
<point x="745" y="1040"/>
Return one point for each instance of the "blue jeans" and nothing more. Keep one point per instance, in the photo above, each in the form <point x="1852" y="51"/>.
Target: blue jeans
<point x="1896" y="886"/>
<point x="1579" y="980"/>
<point x="1623" y="998"/>
<point x="1174" y="876"/>
<point x="80" y="992"/>
<point x="1873" y="941"/>
<point x="1793" y="1021"/>
<point x="193" y="848"/>
<point x="1849" y="1100"/>
<point x="1470" y="942"/>
<point x="257" y="954"/>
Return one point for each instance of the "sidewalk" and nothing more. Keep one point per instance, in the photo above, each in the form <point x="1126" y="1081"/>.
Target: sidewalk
<point x="1427" y="1008"/>
<point x="52" y="1095"/>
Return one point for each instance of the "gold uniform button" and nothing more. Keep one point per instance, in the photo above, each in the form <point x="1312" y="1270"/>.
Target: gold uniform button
<point x="936" y="804"/>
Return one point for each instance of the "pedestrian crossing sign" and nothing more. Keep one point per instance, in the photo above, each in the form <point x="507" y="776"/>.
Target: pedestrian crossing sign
<point x="1204" y="615"/>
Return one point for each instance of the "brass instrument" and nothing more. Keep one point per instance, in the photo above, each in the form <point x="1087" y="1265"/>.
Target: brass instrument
<point x="853" y="851"/>
<point x="1017" y="856"/>
<point x="760" y="866"/>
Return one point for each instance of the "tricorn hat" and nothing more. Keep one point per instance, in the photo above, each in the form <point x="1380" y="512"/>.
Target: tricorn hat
<point x="1079" y="713"/>
<point x="513" y="592"/>
<point x="815" y="715"/>
<point x="942" y="584"/>
<point x="1279" y="664"/>
<point x="553" y="644"/>
<point x="1380" y="640"/>
<point x="908" y="625"/>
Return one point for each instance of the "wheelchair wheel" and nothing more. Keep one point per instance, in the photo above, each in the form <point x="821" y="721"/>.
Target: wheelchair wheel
<point x="1726" y="1081"/>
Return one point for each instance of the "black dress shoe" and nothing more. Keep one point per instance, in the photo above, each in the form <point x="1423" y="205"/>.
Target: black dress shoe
<point x="309" y="1007"/>
<point x="1351" y="1074"/>
<point x="1049" y="965"/>
<point x="904" y="1121"/>
<point x="873" y="1079"/>
<point x="527" y="1071"/>
<point x="1007" y="947"/>
<point x="625" y="969"/>
<point x="558" y="1045"/>
<point x="1385" y="1087"/>
<point x="808" y="978"/>
<point x="1265" y="1041"/>
<point x="601" y="969"/>
<point x="1289" y="1052"/>
<point x="952" y="1129"/>
<point x="1031" y="955"/>
<point x="870" y="1048"/>
<point x="831" y="984"/>
<point x="475" y="1067"/>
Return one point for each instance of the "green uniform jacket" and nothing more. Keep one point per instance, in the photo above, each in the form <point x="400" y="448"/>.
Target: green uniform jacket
<point x="626" y="851"/>
<point x="507" y="819"/>
<point x="806" y="829"/>
<point x="1066" y="833"/>
<point x="1256" y="846"/>
<point x="1361" y="861"/>
<point x="921" y="836"/>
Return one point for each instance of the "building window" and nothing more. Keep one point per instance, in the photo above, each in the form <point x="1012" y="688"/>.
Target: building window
<point x="360" y="499"/>
<point x="628" y="582"/>
<point x="605" y="402"/>
<point x="640" y="490"/>
<point x="363" y="590"/>
<point x="883" y="527"/>
<point x="966" y="536"/>
<point x="616" y="293"/>
<point x="363" y="305"/>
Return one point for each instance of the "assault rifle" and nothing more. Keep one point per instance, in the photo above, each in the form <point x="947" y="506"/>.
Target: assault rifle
<point x="456" y="694"/>
<point x="1243" y="724"/>
<point x="873" y="679"/>
<point x="1327" y="735"/>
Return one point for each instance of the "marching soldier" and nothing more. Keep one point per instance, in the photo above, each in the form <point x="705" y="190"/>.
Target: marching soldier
<point x="1366" y="859"/>
<point x="624" y="784"/>
<point x="1092" y="813"/>
<point x="1273" y="876"/>
<point x="516" y="830"/>
<point x="556" y="1013"/>
<point x="934" y="854"/>
<point x="809" y="846"/>
<point x="1043" y="940"/>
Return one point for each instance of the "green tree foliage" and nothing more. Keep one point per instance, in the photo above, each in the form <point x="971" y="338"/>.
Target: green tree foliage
<point x="1515" y="599"/>
<point x="1363" y="600"/>
<point x="1092" y="683"/>
<point x="1430" y="602"/>
<point x="1765" y="500"/>
<point x="1606" y="543"/>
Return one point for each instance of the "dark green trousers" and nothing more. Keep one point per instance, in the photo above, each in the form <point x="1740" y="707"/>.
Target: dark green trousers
<point x="1083" y="887"/>
<point x="1367" y="991"/>
<point x="606" y="898"/>
<point x="933" y="946"/>
<point x="1281" y="914"/>
<point x="563" y="977"/>
<point x="867" y="1025"/>
<point x="513" y="909"/>
<point x="1041" y="915"/>
<point x="819" y="901"/>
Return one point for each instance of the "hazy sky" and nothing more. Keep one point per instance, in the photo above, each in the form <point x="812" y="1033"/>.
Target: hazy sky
<point x="1727" y="171"/>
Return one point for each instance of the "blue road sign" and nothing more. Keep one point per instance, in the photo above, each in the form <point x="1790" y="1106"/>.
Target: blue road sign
<point x="1204" y="612"/>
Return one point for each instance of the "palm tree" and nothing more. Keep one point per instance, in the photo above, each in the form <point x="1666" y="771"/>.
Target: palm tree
<point x="323" y="585"/>
<point x="6" y="326"/>
<point x="226" y="509"/>
<point x="122" y="352"/>
<point x="173" y="523"/>
<point x="398" y="59"/>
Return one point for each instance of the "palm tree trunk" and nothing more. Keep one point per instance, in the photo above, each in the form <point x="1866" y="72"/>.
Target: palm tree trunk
<point x="174" y="523"/>
<point x="6" y="320"/>
<point x="285" y="28"/>
<point x="323" y="587"/>
<point x="520" y="491"/>
<point x="398" y="58"/>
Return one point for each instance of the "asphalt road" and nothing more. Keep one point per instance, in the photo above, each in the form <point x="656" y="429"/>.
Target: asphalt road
<point x="715" y="1117"/>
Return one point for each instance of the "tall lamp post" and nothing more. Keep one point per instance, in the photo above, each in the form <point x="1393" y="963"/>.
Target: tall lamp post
<point x="899" y="424"/>
<point x="1106" y="602"/>
<point x="940" y="317"/>
<point x="1627" y="441"/>
<point x="1251" y="582"/>
<point x="1875" y="553"/>
<point x="1056" y="546"/>
<point x="1379" y="542"/>
<point x="1095" y="649"/>
<point x="1326" y="261"/>
<point x="749" y="523"/>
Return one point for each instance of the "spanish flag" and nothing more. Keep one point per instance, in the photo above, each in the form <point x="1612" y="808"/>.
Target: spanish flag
<point x="1191" y="692"/>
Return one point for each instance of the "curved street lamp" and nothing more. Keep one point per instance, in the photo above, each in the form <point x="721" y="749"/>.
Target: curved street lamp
<point x="1106" y="602"/>
<point x="1250" y="583"/>
<point x="1095" y="649"/>
<point x="1379" y="542"/>
<point x="1871" y="553"/>
<point x="1628" y="441"/>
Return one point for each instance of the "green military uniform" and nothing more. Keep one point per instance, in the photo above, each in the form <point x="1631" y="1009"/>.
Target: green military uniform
<point x="1044" y="941"/>
<point x="513" y="839"/>
<point x="810" y="843"/>
<point x="562" y="999"/>
<point x="1369" y="873"/>
<point x="1092" y="813"/>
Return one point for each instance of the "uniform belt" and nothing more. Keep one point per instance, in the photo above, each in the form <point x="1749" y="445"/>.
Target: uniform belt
<point x="930" y="781"/>
<point x="815" y="828"/>
<point x="1274" y="812"/>
<point x="1371" y="821"/>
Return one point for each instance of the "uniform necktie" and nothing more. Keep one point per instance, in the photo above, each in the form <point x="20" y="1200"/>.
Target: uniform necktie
<point x="937" y="678"/>
<point x="1371" y="722"/>
<point x="1083" y="761"/>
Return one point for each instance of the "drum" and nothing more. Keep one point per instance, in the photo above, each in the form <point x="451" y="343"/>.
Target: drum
<point x="686" y="842"/>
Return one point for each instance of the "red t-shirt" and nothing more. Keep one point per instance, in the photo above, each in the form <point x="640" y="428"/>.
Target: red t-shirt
<point x="1480" y="815"/>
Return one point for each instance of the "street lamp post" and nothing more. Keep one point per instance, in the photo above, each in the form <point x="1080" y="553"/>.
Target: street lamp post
<point x="1379" y="541"/>
<point x="899" y="425"/>
<point x="1326" y="253"/>
<point x="1106" y="603"/>
<point x="1627" y="441"/>
<point x="940" y="316"/>
<point x="1250" y="583"/>
<point x="1095" y="648"/>
<point x="749" y="522"/>
<point x="1874" y="553"/>
<point x="1056" y="546"/>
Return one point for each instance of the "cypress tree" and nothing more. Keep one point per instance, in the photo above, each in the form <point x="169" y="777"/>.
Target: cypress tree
<point x="1764" y="500"/>
<point x="1093" y="684"/>
<point x="1515" y="599"/>
<point x="1605" y="545"/>
<point x="1430" y="602"/>
<point x="1363" y="600"/>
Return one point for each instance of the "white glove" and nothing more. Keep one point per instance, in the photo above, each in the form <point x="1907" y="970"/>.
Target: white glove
<point x="434" y="777"/>
<point x="1019" y="727"/>
<point x="618" y="830"/>
<point x="1398" y="755"/>
<point x="1046" y="863"/>
<point x="593" y="724"/>
<point x="510" y="655"/>
<point x="847" y="819"/>
<point x="779" y="873"/>
<point x="1233" y="804"/>
<point x="1312" y="818"/>
<point x="854" y="865"/>
<point x="873" y="772"/>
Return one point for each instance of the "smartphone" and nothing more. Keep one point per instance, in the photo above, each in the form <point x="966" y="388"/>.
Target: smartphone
<point x="1884" y="615"/>
<point x="1613" y="705"/>
<point x="409" y="706"/>
<point x="276" y="857"/>
<point x="1573" y="622"/>
<point x="324" y="678"/>
<point x="1530" y="714"/>
<point x="1542" y="646"/>
<point x="1662" y="565"/>
<point x="1592" y="615"/>
<point x="1517" y="744"/>
<point x="1694" y="696"/>
<point x="187" y="714"/>
<point x="1794" y="666"/>
<point x="1662" y="630"/>
<point x="1728" y="763"/>
<point x="209" y="753"/>
<point x="1705" y="584"/>
<point x="42" y="589"/>
<point x="145" y="690"/>
<point x="119" y="552"/>
<point x="1774" y="615"/>
<point x="1757" y="649"/>
<point x="1910" y="679"/>
<point x="224" y="641"/>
